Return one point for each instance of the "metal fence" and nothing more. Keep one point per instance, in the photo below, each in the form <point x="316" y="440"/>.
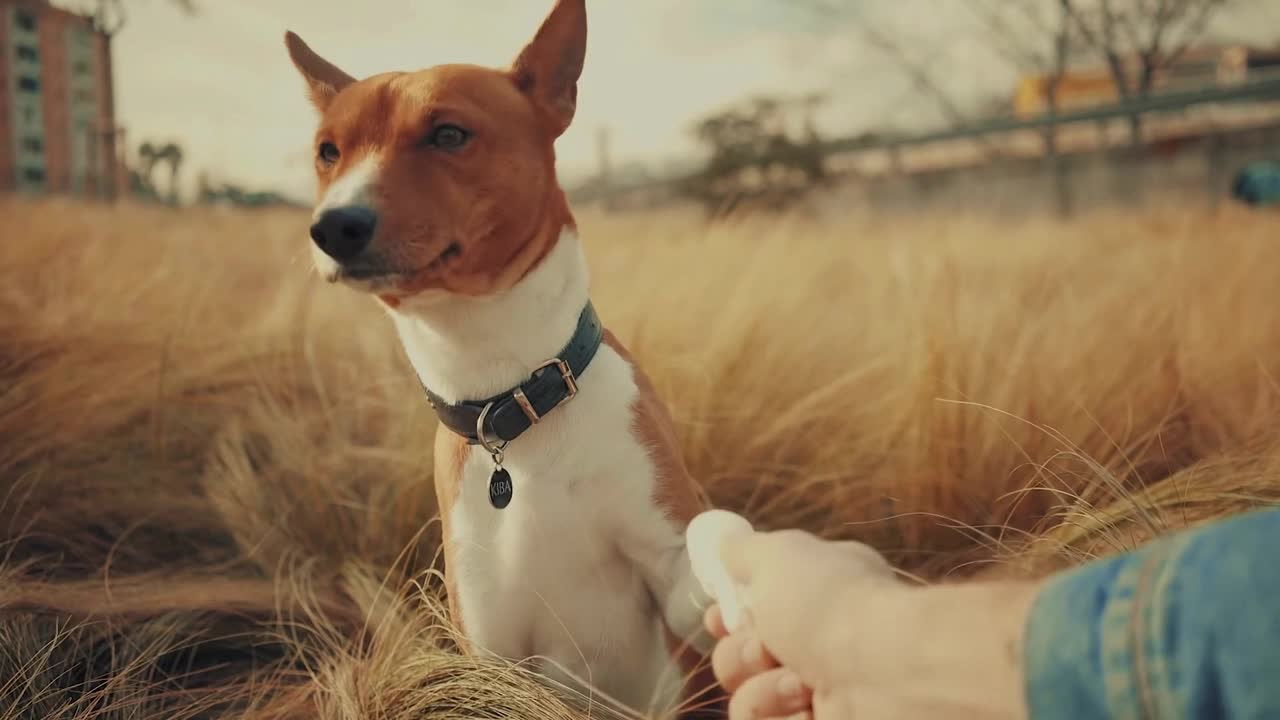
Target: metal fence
<point x="1262" y="87"/>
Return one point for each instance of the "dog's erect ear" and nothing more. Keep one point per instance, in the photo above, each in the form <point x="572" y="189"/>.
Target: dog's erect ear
<point x="324" y="79"/>
<point x="549" y="66"/>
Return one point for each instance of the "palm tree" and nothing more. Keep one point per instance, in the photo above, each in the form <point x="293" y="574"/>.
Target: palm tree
<point x="109" y="16"/>
<point x="150" y="155"/>
<point x="172" y="153"/>
<point x="147" y="162"/>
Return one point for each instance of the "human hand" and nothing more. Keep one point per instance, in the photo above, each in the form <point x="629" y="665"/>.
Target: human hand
<point x="791" y="581"/>
<point x="831" y="632"/>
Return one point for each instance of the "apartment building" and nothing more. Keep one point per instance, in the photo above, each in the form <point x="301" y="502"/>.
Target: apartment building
<point x="57" y="124"/>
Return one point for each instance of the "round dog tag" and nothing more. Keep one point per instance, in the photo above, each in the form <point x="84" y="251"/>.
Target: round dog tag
<point x="500" y="489"/>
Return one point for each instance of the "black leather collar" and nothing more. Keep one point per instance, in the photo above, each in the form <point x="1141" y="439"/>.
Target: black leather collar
<point x="507" y="415"/>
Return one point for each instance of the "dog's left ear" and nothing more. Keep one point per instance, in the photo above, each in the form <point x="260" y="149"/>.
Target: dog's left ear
<point x="324" y="79"/>
<point x="549" y="66"/>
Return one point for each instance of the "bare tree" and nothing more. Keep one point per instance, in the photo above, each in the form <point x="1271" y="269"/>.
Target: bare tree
<point x="909" y="61"/>
<point x="1139" y="39"/>
<point x="1036" y="38"/>
<point x="912" y="64"/>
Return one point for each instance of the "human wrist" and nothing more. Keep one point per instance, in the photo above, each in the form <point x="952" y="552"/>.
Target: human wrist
<point x="955" y="647"/>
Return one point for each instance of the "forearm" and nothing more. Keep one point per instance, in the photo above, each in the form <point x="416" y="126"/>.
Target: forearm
<point x="955" y="650"/>
<point x="1184" y="628"/>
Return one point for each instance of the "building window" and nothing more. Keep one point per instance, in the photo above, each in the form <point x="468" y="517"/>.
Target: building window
<point x="25" y="20"/>
<point x="29" y="84"/>
<point x="33" y="144"/>
<point x="26" y="52"/>
<point x="80" y="68"/>
<point x="33" y="175"/>
<point x="84" y="96"/>
<point x="29" y="115"/>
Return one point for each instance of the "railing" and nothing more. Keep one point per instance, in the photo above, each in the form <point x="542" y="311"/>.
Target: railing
<point x="1258" y="89"/>
<point x="1262" y="87"/>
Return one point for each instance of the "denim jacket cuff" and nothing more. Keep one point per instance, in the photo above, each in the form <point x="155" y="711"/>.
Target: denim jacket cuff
<point x="1086" y="641"/>
<point x="1183" y="627"/>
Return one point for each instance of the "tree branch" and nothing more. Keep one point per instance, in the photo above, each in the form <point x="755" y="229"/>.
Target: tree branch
<point x="1103" y="43"/>
<point x="1004" y="37"/>
<point x="919" y="74"/>
<point x="1129" y="25"/>
<point x="1042" y="26"/>
<point x="1194" y="29"/>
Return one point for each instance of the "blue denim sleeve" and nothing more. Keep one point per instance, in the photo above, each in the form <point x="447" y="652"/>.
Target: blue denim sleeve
<point x="1186" y="627"/>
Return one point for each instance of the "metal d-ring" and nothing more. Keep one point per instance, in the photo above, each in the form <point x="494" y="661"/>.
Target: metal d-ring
<point x="495" y="451"/>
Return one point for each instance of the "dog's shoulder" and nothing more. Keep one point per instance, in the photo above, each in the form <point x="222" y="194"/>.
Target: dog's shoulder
<point x="676" y="493"/>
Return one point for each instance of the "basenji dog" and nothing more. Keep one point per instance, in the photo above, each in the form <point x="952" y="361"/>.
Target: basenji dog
<point x="562" y="491"/>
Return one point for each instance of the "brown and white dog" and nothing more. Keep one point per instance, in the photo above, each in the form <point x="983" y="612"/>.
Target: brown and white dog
<point x="562" y="490"/>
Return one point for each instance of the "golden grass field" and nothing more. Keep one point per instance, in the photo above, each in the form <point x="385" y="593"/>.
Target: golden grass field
<point x="215" y="471"/>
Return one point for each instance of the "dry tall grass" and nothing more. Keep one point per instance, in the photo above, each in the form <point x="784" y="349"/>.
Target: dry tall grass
<point x="215" y="484"/>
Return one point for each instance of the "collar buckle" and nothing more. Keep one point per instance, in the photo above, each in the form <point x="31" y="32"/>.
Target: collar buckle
<point x="470" y="418"/>
<point x="570" y="384"/>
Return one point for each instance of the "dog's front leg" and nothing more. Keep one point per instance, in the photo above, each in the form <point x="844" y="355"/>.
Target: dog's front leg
<point x="686" y="602"/>
<point x="669" y="577"/>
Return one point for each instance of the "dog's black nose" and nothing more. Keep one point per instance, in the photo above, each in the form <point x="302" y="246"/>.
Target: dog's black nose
<point x="344" y="232"/>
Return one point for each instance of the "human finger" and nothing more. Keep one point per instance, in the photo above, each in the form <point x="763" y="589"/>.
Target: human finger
<point x="713" y="620"/>
<point x="773" y="694"/>
<point x="739" y="657"/>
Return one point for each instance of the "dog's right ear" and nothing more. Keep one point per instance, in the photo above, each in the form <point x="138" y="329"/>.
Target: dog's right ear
<point x="548" y="68"/>
<point x="324" y="79"/>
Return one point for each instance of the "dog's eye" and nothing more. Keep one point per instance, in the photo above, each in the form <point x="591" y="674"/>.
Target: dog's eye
<point x="328" y="153"/>
<point x="448" y="137"/>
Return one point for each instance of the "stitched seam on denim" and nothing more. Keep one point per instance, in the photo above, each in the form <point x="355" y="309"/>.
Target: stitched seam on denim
<point x="1113" y="631"/>
<point x="1146" y="701"/>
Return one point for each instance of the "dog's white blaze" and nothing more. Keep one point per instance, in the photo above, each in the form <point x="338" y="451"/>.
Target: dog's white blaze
<point x="582" y="567"/>
<point x="355" y="187"/>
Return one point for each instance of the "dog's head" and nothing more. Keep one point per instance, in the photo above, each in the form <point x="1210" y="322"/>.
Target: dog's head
<point x="443" y="179"/>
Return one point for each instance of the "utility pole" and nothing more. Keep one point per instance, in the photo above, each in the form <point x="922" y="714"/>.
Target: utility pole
<point x="1053" y="153"/>
<point x="604" y="166"/>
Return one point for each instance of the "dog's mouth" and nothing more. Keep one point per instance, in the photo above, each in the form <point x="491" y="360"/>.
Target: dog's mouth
<point x="380" y="276"/>
<point x="445" y="258"/>
<point x="361" y="273"/>
<point x="366" y="277"/>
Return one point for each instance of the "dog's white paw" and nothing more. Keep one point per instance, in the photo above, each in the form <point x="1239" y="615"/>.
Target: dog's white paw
<point x="704" y="536"/>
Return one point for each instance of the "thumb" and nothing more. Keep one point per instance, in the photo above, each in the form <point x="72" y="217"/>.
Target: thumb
<point x="739" y="553"/>
<point x="746" y="556"/>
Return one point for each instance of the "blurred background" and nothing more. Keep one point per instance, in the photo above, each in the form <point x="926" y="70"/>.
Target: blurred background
<point x="1056" y="105"/>
<point x="987" y="284"/>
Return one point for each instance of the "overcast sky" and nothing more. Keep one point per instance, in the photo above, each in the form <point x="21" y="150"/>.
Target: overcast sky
<point x="222" y="85"/>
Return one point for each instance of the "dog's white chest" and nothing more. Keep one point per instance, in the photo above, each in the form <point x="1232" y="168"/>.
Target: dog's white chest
<point x="545" y="577"/>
